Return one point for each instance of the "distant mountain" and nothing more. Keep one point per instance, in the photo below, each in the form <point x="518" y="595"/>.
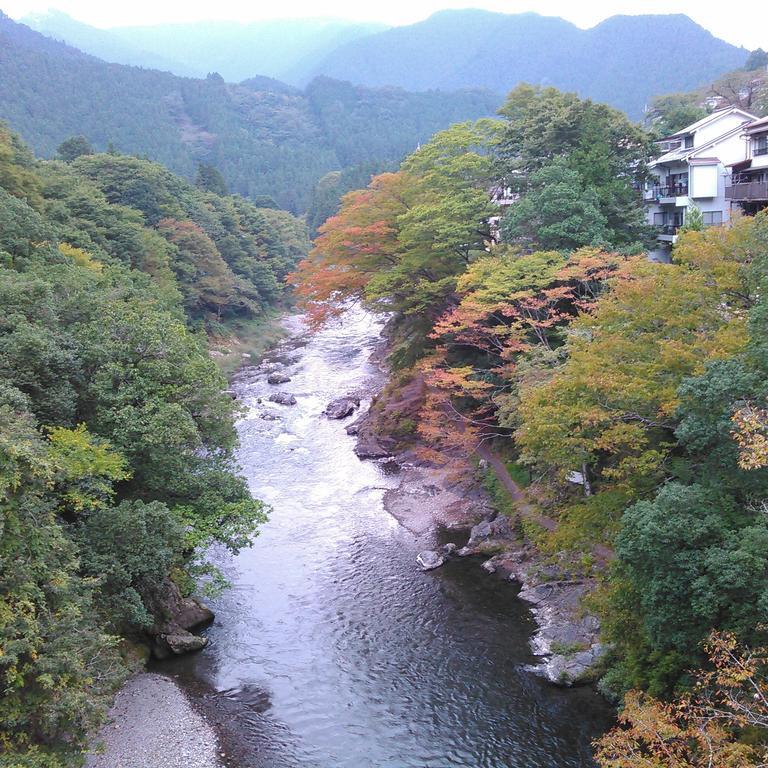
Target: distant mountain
<point x="623" y="61"/>
<point x="278" y="48"/>
<point x="104" y="43"/>
<point x="266" y="137"/>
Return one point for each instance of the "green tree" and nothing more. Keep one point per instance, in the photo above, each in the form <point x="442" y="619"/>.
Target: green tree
<point x="210" y="179"/>
<point x="72" y="148"/>
<point x="607" y="151"/>
<point x="559" y="212"/>
<point x="698" y="562"/>
<point x="668" y="114"/>
<point x="694" y="220"/>
<point x="757" y="59"/>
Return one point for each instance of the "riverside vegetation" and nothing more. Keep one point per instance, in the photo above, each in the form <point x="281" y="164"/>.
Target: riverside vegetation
<point x="546" y="330"/>
<point x="116" y="434"/>
<point x="552" y="334"/>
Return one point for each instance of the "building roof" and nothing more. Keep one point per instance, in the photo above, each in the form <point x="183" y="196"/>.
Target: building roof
<point x="758" y="126"/>
<point x="682" y="155"/>
<point x="710" y="118"/>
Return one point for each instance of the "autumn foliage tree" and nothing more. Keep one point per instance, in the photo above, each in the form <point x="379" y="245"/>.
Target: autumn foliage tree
<point x="707" y="727"/>
<point x="401" y="244"/>
<point x="508" y="325"/>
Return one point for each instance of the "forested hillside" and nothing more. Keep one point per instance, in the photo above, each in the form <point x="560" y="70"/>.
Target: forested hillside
<point x="274" y="48"/>
<point x="116" y="434"/>
<point x="746" y="88"/>
<point x="623" y="61"/>
<point x="266" y="139"/>
<point x="631" y="394"/>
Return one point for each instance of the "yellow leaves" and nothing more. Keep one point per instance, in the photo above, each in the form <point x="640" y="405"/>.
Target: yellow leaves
<point x="700" y="730"/>
<point x="750" y="431"/>
<point x="80" y="257"/>
<point x="617" y="395"/>
<point x="85" y="468"/>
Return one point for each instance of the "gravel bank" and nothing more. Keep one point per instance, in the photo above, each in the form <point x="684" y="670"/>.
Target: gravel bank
<point x="153" y="725"/>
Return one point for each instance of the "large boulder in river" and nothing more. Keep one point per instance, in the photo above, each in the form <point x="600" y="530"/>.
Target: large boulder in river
<point x="490" y="530"/>
<point x="278" y="378"/>
<point x="174" y="617"/>
<point x="572" y="667"/>
<point x="180" y="643"/>
<point x="283" y="398"/>
<point x="429" y="560"/>
<point x="341" y="407"/>
<point x="192" y="613"/>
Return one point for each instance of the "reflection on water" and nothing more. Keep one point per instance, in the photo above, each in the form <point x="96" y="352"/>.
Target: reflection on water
<point x="332" y="649"/>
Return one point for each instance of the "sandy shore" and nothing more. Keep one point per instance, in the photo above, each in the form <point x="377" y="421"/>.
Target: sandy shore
<point x="153" y="725"/>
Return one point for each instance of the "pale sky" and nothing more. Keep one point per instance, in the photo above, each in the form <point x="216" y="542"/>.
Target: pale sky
<point x="740" y="24"/>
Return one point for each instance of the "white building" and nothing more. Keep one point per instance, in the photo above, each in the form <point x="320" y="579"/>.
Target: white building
<point x="692" y="171"/>
<point x="747" y="187"/>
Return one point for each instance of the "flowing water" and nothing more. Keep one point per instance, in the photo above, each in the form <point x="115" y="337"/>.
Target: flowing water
<point x="332" y="649"/>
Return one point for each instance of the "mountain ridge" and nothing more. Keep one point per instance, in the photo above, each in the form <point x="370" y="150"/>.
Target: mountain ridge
<point x="267" y="138"/>
<point x="623" y="60"/>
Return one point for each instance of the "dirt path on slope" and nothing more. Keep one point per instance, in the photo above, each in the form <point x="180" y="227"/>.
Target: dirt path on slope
<point x="603" y="553"/>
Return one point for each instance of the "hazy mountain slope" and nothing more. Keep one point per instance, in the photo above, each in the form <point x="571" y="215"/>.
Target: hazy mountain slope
<point x="276" y="48"/>
<point x="624" y="61"/>
<point x="103" y="43"/>
<point x="265" y="137"/>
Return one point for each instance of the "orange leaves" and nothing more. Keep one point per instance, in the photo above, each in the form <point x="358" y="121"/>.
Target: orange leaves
<point x="700" y="730"/>
<point x="512" y="305"/>
<point x="353" y="246"/>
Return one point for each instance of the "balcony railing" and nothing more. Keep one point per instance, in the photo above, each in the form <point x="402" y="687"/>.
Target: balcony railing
<point x="667" y="229"/>
<point x="748" y="190"/>
<point x="672" y="190"/>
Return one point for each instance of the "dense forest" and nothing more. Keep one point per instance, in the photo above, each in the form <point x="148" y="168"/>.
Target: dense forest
<point x="266" y="138"/>
<point x="623" y="61"/>
<point x="116" y="433"/>
<point x="553" y="336"/>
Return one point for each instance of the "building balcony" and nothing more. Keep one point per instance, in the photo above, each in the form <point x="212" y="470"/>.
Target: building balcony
<point x="667" y="233"/>
<point x="672" y="190"/>
<point x="747" y="190"/>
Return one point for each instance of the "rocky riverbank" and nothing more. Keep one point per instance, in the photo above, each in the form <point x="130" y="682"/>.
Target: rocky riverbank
<point x="153" y="725"/>
<point x="453" y="499"/>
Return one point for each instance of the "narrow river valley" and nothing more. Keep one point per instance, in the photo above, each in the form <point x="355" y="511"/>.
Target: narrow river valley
<point x="332" y="649"/>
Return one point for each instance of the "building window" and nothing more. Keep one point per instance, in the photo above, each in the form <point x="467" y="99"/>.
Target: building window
<point x="689" y="142"/>
<point x="760" y="146"/>
<point x="712" y="218"/>
<point x="658" y="219"/>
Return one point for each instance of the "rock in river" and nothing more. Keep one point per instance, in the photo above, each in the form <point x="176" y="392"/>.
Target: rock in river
<point x="429" y="559"/>
<point x="183" y="643"/>
<point x="278" y="378"/>
<point x="283" y="398"/>
<point x="342" y="407"/>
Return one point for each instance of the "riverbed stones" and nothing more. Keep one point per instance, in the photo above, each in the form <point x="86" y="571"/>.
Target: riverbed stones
<point x="488" y="531"/>
<point x="283" y="398"/>
<point x="572" y="667"/>
<point x="342" y="407"/>
<point x="449" y="549"/>
<point x="278" y="377"/>
<point x="429" y="559"/>
<point x="174" y="617"/>
<point x="182" y="643"/>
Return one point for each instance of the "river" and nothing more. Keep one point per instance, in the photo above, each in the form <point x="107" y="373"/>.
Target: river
<point x="332" y="649"/>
